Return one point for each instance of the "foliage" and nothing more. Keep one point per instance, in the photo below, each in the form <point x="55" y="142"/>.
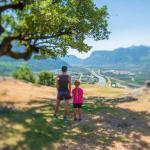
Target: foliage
<point x="50" y="27"/>
<point x="24" y="73"/>
<point x="46" y="78"/>
<point x="8" y="65"/>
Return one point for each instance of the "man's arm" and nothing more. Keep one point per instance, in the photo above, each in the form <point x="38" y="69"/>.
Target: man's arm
<point x="70" y="84"/>
<point x="57" y="82"/>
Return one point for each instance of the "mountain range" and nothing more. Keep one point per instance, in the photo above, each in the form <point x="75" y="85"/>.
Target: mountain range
<point x="135" y="56"/>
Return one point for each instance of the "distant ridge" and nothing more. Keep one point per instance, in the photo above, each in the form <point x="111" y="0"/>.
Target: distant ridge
<point x="72" y="60"/>
<point x="7" y="64"/>
<point x="135" y="55"/>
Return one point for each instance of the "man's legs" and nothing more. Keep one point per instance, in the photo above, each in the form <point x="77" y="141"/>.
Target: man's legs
<point x="66" y="108"/>
<point x="57" y="106"/>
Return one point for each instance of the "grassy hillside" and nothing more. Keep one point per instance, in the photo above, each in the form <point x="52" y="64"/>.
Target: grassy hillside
<point x="108" y="123"/>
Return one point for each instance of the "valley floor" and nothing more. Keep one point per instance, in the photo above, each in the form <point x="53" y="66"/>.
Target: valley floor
<point x="113" y="119"/>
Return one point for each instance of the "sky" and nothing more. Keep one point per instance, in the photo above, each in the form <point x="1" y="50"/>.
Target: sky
<point x="129" y="24"/>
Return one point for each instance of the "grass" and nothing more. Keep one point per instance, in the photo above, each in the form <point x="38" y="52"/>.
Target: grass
<point x="34" y="128"/>
<point x="95" y="90"/>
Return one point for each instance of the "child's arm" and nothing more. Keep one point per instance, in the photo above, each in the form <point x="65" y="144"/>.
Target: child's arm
<point x="82" y="93"/>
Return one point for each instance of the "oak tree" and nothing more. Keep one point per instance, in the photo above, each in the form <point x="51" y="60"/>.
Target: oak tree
<point x="50" y="27"/>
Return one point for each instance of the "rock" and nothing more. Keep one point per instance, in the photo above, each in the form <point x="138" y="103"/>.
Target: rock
<point x="147" y="84"/>
<point x="123" y="125"/>
<point x="6" y="109"/>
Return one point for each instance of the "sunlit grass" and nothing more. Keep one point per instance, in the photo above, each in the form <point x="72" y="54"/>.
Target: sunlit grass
<point x="96" y="90"/>
<point x="36" y="129"/>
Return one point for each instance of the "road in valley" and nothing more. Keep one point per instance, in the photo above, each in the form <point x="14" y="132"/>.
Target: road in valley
<point x="101" y="80"/>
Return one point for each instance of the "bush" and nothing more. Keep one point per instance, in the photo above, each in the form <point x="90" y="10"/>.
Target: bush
<point x="24" y="73"/>
<point x="46" y="78"/>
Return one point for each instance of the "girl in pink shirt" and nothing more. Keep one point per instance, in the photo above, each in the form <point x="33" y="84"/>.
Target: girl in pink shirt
<point x="77" y="95"/>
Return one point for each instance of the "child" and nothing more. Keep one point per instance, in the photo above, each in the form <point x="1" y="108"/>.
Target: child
<point x="77" y="95"/>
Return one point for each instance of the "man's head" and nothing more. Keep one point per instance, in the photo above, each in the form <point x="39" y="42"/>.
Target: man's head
<point x="64" y="69"/>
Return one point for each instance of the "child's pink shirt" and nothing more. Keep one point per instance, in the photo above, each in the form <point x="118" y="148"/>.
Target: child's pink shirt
<point x="77" y="99"/>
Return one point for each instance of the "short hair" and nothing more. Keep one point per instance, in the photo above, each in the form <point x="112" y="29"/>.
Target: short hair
<point x="76" y="82"/>
<point x="64" y="68"/>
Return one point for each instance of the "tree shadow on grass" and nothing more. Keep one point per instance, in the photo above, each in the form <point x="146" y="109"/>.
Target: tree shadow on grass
<point x="34" y="129"/>
<point x="117" y="124"/>
<point x="33" y="126"/>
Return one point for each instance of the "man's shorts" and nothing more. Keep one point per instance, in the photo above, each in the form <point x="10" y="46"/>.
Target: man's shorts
<point x="77" y="105"/>
<point x="63" y="95"/>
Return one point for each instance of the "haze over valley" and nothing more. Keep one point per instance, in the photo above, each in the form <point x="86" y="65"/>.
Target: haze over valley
<point x="129" y="65"/>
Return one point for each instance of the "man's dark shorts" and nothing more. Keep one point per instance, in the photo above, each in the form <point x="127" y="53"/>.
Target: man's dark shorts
<point x="63" y="95"/>
<point x="77" y="105"/>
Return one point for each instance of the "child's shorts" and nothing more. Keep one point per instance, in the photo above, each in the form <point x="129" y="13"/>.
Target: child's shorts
<point x="77" y="105"/>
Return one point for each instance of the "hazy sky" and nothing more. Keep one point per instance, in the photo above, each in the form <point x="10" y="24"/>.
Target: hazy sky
<point x="129" y="24"/>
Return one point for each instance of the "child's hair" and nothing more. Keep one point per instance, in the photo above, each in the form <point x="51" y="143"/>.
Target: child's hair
<point x="76" y="82"/>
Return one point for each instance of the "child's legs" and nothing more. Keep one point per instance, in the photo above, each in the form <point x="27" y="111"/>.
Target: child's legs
<point x="79" y="110"/>
<point x="75" y="112"/>
<point x="66" y="107"/>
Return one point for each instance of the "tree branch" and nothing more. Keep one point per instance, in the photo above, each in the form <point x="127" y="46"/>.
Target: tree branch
<point x="6" y="48"/>
<point x="55" y="1"/>
<point x="44" y="37"/>
<point x="32" y="39"/>
<point x="1" y="30"/>
<point x="19" y="6"/>
<point x="24" y="55"/>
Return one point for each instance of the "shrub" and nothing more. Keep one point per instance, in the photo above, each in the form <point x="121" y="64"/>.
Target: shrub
<point x="24" y="73"/>
<point x="46" y="78"/>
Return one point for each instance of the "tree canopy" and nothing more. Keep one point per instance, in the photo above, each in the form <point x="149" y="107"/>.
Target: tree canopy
<point x="50" y="27"/>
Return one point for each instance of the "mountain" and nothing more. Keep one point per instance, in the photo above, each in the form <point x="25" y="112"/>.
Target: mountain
<point x="135" y="55"/>
<point x="46" y="64"/>
<point x="73" y="60"/>
<point x="7" y="65"/>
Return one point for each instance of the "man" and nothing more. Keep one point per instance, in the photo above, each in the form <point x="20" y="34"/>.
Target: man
<point x="63" y="85"/>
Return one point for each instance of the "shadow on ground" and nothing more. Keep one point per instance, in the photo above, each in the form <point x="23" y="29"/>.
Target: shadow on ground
<point x="102" y="127"/>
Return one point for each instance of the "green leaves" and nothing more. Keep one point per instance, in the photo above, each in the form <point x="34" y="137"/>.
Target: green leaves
<point x="54" y="26"/>
<point x="24" y="73"/>
<point x="46" y="78"/>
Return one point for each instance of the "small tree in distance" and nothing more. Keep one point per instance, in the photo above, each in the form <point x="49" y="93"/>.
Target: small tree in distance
<point x="24" y="73"/>
<point x="46" y="78"/>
